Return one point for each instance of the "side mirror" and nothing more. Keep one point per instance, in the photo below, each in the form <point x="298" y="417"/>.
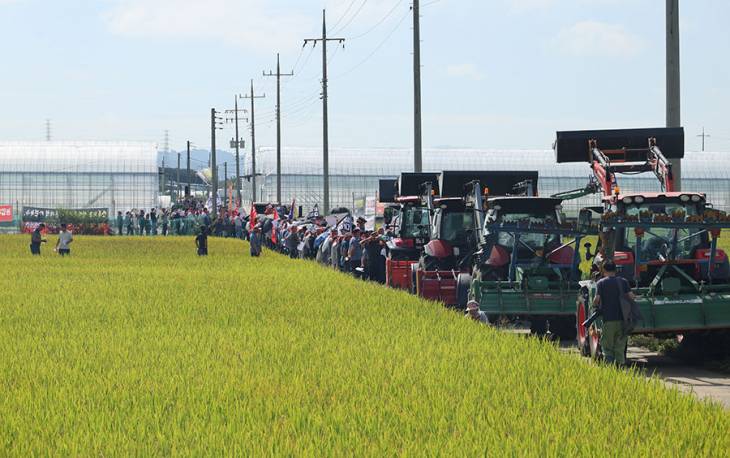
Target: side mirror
<point x="589" y="255"/>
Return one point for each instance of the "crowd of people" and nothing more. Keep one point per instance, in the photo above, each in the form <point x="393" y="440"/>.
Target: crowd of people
<point x="346" y="246"/>
<point x="180" y="221"/>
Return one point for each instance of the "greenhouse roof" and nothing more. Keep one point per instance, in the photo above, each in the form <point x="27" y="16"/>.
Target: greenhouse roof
<point x="78" y="157"/>
<point x="393" y="161"/>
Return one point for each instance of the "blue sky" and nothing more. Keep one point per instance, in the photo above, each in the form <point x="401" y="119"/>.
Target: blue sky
<point x="496" y="74"/>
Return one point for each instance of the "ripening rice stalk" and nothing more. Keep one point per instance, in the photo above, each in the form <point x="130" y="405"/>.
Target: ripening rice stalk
<point x="136" y="346"/>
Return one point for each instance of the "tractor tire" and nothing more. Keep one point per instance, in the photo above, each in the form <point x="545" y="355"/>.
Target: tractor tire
<point x="563" y="327"/>
<point x="594" y="343"/>
<point x="463" y="285"/>
<point x="581" y="331"/>
<point x="538" y="326"/>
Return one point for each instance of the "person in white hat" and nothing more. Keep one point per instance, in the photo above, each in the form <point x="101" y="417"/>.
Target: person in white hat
<point x="473" y="312"/>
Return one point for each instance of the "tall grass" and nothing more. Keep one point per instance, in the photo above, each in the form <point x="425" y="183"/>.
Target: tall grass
<point x="136" y="346"/>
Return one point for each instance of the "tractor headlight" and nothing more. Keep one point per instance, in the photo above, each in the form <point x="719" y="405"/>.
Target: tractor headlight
<point x="684" y="198"/>
<point x="696" y="198"/>
<point x="638" y="199"/>
<point x="627" y="200"/>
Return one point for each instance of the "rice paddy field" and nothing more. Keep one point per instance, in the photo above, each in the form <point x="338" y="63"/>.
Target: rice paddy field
<point x="136" y="346"/>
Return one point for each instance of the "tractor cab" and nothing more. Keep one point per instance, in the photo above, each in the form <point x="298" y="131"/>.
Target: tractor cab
<point x="407" y="221"/>
<point x="522" y="233"/>
<point x="646" y="233"/>
<point x="452" y="232"/>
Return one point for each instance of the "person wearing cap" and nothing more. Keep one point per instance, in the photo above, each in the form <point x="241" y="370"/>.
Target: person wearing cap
<point x="201" y="241"/>
<point x="36" y="239"/>
<point x="609" y="291"/>
<point x="361" y="223"/>
<point x="255" y="241"/>
<point x="473" y="312"/>
<point x="354" y="251"/>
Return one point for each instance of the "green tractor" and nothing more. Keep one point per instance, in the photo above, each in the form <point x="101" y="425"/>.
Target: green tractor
<point x="664" y="243"/>
<point x="528" y="266"/>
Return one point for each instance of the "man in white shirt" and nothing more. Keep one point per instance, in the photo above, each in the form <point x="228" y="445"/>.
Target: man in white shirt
<point x="64" y="240"/>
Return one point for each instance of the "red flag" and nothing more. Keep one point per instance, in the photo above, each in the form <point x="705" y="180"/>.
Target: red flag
<point x="252" y="217"/>
<point x="275" y="227"/>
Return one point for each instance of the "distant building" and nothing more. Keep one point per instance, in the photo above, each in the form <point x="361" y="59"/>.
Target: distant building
<point x="75" y="175"/>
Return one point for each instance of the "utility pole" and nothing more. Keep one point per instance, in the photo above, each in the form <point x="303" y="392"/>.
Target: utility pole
<point x="189" y="192"/>
<point x="704" y="136"/>
<point x="325" y="133"/>
<point x="417" y="151"/>
<point x="673" y="86"/>
<point x="278" y="75"/>
<point x="238" y="143"/>
<point x="253" y="140"/>
<point x="214" y="124"/>
<point x="177" y="192"/>
<point x="225" y="185"/>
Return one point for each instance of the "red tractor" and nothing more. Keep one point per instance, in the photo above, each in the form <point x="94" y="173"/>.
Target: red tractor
<point x="408" y="219"/>
<point x="454" y="231"/>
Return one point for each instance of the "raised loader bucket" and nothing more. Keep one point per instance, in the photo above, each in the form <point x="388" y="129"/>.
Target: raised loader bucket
<point x="500" y="183"/>
<point x="409" y="184"/>
<point x="573" y="146"/>
<point x="387" y="190"/>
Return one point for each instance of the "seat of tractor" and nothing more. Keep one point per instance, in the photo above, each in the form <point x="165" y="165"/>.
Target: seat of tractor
<point x="537" y="277"/>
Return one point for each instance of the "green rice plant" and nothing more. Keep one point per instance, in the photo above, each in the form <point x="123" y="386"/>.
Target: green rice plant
<point x="136" y="346"/>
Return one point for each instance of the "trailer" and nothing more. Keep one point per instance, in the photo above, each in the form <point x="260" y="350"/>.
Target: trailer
<point x="664" y="243"/>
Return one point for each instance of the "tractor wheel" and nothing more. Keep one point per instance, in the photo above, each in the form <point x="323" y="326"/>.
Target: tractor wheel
<point x="463" y="284"/>
<point x="582" y="332"/>
<point x="594" y="342"/>
<point x="538" y="326"/>
<point x="563" y="327"/>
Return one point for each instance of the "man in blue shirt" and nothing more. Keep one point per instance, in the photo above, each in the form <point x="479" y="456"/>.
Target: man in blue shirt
<point x="610" y="290"/>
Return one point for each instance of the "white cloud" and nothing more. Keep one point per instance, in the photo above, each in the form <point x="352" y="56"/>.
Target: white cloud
<point x="464" y="71"/>
<point x="593" y="39"/>
<point x="251" y="24"/>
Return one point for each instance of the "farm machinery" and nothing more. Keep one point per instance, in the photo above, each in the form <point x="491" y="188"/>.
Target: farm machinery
<point x="527" y="266"/>
<point x="454" y="225"/>
<point x="409" y="219"/>
<point x="664" y="243"/>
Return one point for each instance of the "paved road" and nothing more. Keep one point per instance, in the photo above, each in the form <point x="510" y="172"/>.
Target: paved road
<point x="701" y="382"/>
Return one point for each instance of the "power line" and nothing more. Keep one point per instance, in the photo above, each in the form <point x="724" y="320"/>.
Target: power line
<point x="377" y="48"/>
<point x="377" y="24"/>
<point x="351" y="18"/>
<point x="347" y="10"/>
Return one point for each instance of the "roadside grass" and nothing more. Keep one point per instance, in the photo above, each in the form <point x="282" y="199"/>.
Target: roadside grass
<point x="136" y="346"/>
